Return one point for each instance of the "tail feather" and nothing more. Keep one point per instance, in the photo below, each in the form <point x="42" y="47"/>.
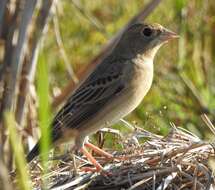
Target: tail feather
<point x="33" y="153"/>
<point x="55" y="135"/>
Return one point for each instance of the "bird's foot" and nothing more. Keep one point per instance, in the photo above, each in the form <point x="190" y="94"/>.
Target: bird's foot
<point x="98" y="168"/>
<point x="99" y="151"/>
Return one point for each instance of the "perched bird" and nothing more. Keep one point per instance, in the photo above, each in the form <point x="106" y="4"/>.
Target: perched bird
<point x="113" y="89"/>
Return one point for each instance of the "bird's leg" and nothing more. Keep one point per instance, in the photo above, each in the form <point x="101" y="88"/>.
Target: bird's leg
<point x="92" y="160"/>
<point x="98" y="167"/>
<point x="98" y="150"/>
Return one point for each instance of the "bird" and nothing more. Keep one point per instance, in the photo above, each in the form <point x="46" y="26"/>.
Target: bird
<point x="115" y="87"/>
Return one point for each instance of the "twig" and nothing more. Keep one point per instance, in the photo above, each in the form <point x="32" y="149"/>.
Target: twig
<point x="74" y="182"/>
<point x="195" y="177"/>
<point x="208" y="123"/>
<point x="167" y="181"/>
<point x="17" y="56"/>
<point x="161" y="172"/>
<point x="28" y="70"/>
<point x="3" y="4"/>
<point x="62" y="49"/>
<point x="105" y="51"/>
<point x="4" y="75"/>
<point x="127" y="124"/>
<point x="8" y="47"/>
<point x="139" y="183"/>
<point x="190" y="178"/>
<point x="189" y="84"/>
<point x="88" y="16"/>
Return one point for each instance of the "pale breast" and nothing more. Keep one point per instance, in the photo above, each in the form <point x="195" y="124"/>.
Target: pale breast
<point x="142" y="80"/>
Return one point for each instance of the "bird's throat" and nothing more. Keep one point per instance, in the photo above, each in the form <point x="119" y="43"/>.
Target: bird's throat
<point x="143" y="61"/>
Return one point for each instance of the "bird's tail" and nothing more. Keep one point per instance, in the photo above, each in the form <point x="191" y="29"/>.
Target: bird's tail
<point x="33" y="153"/>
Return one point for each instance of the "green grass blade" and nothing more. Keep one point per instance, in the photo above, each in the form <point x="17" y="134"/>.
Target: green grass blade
<point x="42" y="83"/>
<point x="16" y="143"/>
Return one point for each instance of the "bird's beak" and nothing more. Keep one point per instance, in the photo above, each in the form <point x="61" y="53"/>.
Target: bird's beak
<point x="168" y="35"/>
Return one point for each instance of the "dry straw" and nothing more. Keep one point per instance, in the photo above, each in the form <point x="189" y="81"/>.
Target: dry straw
<point x="177" y="161"/>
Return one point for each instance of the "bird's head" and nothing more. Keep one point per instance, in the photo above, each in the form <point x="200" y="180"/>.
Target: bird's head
<point x="143" y="39"/>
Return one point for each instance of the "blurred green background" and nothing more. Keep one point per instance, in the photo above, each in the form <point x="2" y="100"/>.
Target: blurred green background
<point x="184" y="80"/>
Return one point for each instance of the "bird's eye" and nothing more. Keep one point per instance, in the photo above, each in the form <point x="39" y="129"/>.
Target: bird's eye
<point x="147" y="32"/>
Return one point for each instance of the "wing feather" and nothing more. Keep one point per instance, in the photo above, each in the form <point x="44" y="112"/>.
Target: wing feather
<point x="97" y="90"/>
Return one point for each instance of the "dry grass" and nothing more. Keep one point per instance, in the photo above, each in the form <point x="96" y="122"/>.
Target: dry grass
<point x="177" y="161"/>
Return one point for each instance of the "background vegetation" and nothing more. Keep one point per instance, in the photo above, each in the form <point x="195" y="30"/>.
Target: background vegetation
<point x="184" y="79"/>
